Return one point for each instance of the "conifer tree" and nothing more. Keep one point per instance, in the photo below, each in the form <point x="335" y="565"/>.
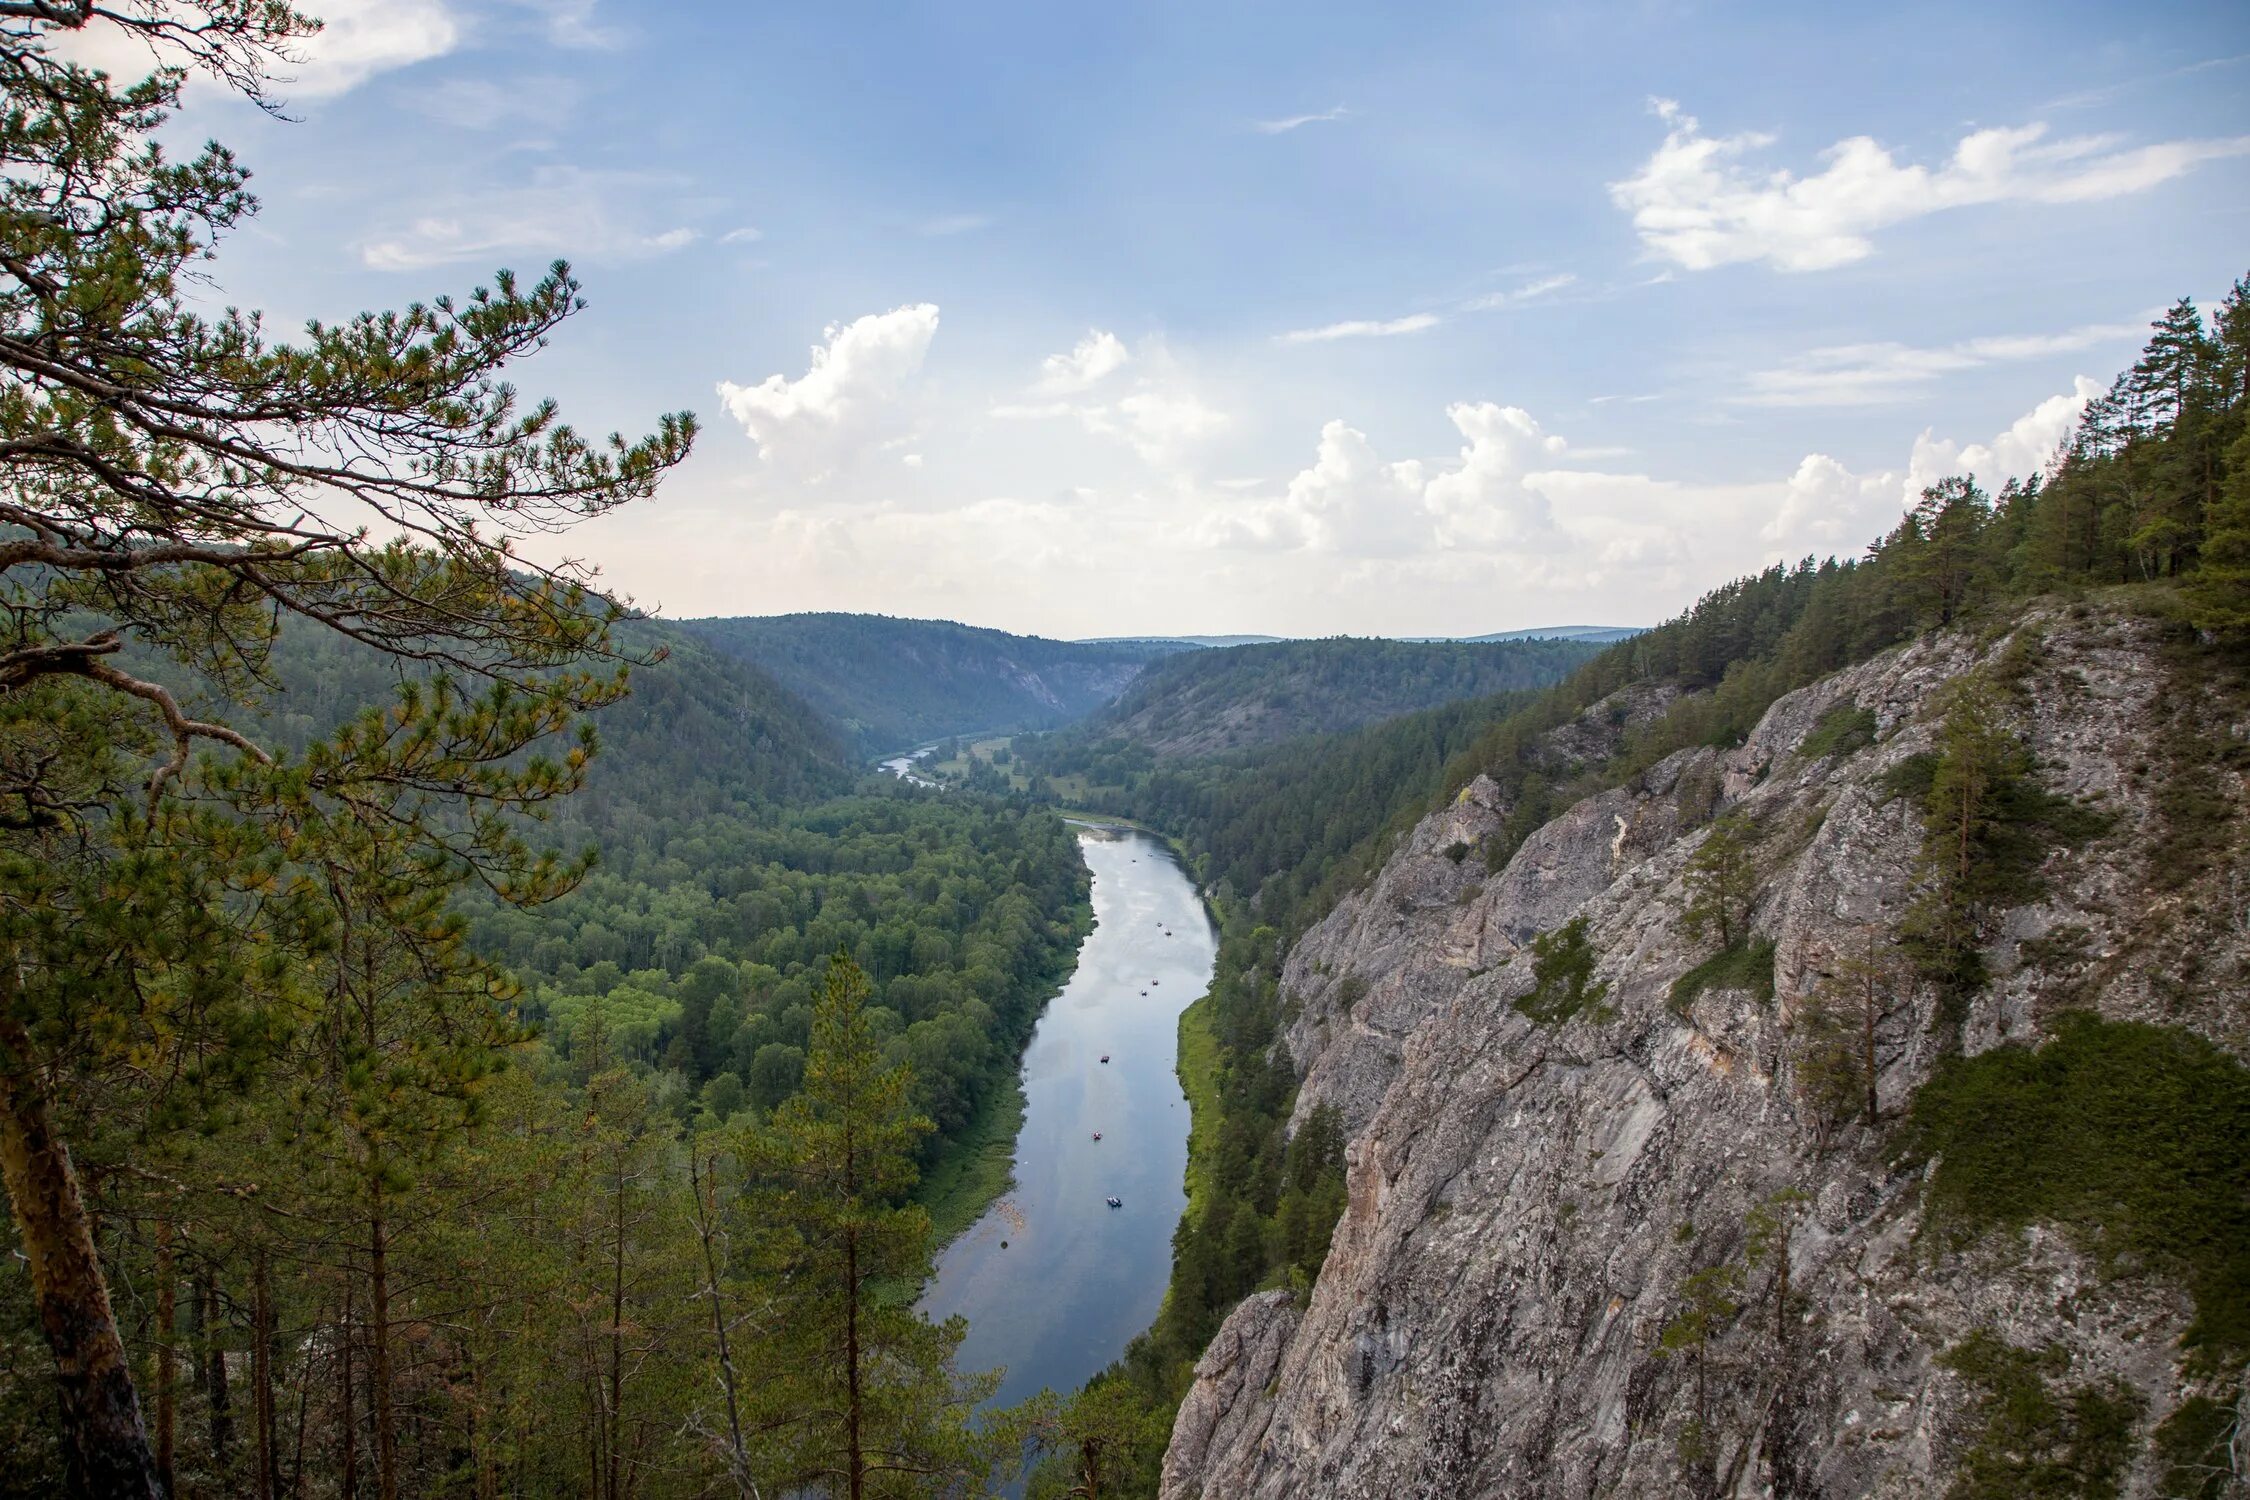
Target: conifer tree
<point x="858" y="1393"/>
<point x="2218" y="596"/>
<point x="178" y="487"/>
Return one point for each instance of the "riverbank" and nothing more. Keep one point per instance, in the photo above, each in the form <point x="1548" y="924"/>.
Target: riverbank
<point x="1071" y="1262"/>
<point x="975" y="1169"/>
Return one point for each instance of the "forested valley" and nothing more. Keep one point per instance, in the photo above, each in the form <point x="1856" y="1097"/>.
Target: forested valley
<point x="461" y="1037"/>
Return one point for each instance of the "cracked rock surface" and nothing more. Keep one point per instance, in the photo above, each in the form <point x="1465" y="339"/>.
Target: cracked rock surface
<point x="1524" y="1203"/>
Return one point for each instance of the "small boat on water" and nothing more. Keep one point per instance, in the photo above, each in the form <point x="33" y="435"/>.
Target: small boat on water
<point x="1105" y="1058"/>
<point x="1115" y="1202"/>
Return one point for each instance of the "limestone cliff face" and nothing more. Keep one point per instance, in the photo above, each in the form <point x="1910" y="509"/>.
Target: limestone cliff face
<point x="1525" y="1202"/>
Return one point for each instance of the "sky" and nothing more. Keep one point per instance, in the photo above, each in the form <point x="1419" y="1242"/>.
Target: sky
<point x="1293" y="319"/>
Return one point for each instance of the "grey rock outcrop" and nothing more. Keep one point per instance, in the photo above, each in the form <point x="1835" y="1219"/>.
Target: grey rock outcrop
<point x="1525" y="1203"/>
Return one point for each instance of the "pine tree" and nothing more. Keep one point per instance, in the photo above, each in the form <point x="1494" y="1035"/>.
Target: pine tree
<point x="1722" y="879"/>
<point x="2218" y="596"/>
<point x="177" y="483"/>
<point x="858" y="1389"/>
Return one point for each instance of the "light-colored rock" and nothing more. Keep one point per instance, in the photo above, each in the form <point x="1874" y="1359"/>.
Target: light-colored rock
<point x="1524" y="1203"/>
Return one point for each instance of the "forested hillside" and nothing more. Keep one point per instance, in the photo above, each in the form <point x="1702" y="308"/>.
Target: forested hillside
<point x="1212" y="701"/>
<point x="404" y="1088"/>
<point x="2147" y="505"/>
<point x="895" y="684"/>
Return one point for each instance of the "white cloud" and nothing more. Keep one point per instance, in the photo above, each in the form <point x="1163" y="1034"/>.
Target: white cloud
<point x="1871" y="374"/>
<point x="1698" y="204"/>
<point x="1292" y="122"/>
<point x="846" y="400"/>
<point x="1487" y="501"/>
<point x="1531" y="291"/>
<point x="1095" y="357"/>
<point x="1361" y="328"/>
<point x="1827" y="508"/>
<point x="2023" y="450"/>
<point x="1351" y="501"/>
<point x="564" y="210"/>
<point x="746" y="235"/>
<point x="357" y="40"/>
<point x="1164" y="426"/>
<point x="912" y="460"/>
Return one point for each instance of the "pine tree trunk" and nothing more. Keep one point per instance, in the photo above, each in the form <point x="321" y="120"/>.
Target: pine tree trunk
<point x="379" y="1346"/>
<point x="350" y="1419"/>
<point x="104" y="1440"/>
<point x="613" y="1417"/>
<point x="261" y="1375"/>
<point x="858" y="1461"/>
<point x="215" y="1373"/>
<point x="167" y="1334"/>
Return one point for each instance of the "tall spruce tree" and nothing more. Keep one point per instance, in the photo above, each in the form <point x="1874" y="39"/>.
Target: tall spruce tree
<point x="176" y="488"/>
<point x="858" y="1394"/>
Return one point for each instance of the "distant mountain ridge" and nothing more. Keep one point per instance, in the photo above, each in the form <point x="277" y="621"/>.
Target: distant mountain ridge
<point x="1213" y="701"/>
<point x="1597" y="634"/>
<point x="889" y="683"/>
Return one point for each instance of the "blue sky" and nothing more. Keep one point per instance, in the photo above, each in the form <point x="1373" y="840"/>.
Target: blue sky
<point x="1290" y="318"/>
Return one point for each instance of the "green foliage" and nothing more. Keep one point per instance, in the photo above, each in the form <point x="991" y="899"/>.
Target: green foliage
<point x="1722" y="880"/>
<point x="2031" y="1439"/>
<point x="1987" y="827"/>
<point x="1844" y="730"/>
<point x="1562" y="969"/>
<point x="2195" y="1444"/>
<point x="1748" y="966"/>
<point x="856" y="1382"/>
<point x="1912" y="777"/>
<point x="2134" y="1138"/>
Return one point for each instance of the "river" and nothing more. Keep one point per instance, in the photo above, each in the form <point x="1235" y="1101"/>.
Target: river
<point x="1078" y="1279"/>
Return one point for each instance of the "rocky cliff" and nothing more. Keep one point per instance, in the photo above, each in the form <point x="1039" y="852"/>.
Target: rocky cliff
<point x="1556" y="1271"/>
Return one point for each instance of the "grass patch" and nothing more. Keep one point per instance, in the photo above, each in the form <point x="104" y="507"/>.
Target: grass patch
<point x="1199" y="1078"/>
<point x="1912" y="777"/>
<point x="1562" y="971"/>
<point x="976" y="1166"/>
<point x="2134" y="1138"/>
<point x="1745" y="966"/>
<point x="2033" y="1439"/>
<point x="1844" y="729"/>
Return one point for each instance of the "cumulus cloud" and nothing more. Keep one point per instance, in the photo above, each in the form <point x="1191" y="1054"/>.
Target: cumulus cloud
<point x="2021" y="451"/>
<point x="1097" y="356"/>
<point x="1699" y="203"/>
<point x="1871" y="374"/>
<point x="563" y="210"/>
<point x="1288" y="123"/>
<point x="1361" y="328"/>
<point x="357" y="40"/>
<point x="1351" y="501"/>
<point x="1165" y="426"/>
<point x="1487" y="500"/>
<point x="846" y="401"/>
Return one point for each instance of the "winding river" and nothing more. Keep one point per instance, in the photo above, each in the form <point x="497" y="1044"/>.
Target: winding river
<point x="1054" y="1282"/>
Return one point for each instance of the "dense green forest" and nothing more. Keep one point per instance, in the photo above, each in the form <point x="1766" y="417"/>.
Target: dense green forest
<point x="2150" y="501"/>
<point x="404" y="1087"/>
<point x="1207" y="702"/>
<point x="895" y="684"/>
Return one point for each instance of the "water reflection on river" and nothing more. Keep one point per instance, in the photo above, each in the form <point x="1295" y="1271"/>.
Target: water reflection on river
<point x="1078" y="1278"/>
